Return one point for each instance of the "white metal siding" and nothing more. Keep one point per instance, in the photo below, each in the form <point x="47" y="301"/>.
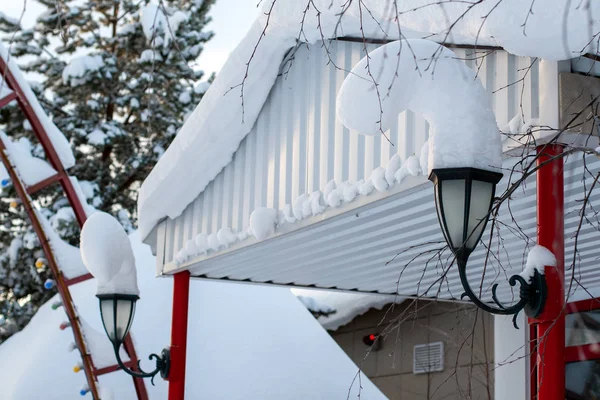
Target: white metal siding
<point x="387" y="246"/>
<point x="297" y="145"/>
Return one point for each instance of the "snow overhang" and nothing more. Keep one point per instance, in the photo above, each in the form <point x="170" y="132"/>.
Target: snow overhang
<point x="394" y="246"/>
<point x="213" y="132"/>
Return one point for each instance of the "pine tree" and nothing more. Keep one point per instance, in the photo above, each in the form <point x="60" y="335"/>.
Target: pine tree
<point x="119" y="79"/>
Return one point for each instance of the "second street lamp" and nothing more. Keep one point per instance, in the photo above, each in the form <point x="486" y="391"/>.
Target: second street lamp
<point x="117" y="311"/>
<point x="107" y="253"/>
<point x="464" y="198"/>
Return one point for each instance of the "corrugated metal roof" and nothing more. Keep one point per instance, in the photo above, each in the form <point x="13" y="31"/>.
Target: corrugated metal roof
<point x="297" y="145"/>
<point x="388" y="243"/>
<point x="391" y="246"/>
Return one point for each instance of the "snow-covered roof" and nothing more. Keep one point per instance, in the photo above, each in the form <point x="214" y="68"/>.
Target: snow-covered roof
<point x="260" y="338"/>
<point x="346" y="305"/>
<point x="556" y="29"/>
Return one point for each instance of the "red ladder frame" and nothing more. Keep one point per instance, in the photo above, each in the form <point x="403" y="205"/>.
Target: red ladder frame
<point x="24" y="193"/>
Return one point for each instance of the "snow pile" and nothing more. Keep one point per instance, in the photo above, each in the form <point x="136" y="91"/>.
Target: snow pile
<point x="77" y="71"/>
<point x="155" y="22"/>
<point x="61" y="145"/>
<point x="517" y="126"/>
<point x="262" y="222"/>
<point x="7" y="22"/>
<point x="108" y="255"/>
<point x="347" y="306"/>
<point x="552" y="29"/>
<point x="13" y="251"/>
<point x="557" y="29"/>
<point x="97" y="137"/>
<point x="315" y="306"/>
<point x="84" y="191"/>
<point x="201" y="87"/>
<point x="67" y="256"/>
<point x="150" y="56"/>
<point x="31" y="169"/>
<point x="265" y="221"/>
<point x="281" y="352"/>
<point x="185" y="97"/>
<point x="463" y="130"/>
<point x="538" y="258"/>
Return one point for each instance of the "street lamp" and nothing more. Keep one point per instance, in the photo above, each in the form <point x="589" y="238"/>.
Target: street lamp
<point x="106" y="252"/>
<point x="117" y="311"/>
<point x="463" y="199"/>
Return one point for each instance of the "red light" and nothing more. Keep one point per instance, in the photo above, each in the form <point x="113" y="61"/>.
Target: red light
<point x="370" y="339"/>
<point x="373" y="341"/>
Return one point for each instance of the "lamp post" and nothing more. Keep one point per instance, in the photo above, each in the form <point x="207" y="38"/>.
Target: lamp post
<point x="464" y="198"/>
<point x="117" y="312"/>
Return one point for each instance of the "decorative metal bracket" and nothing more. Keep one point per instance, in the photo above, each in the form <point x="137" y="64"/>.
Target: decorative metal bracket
<point x="163" y="365"/>
<point x="532" y="295"/>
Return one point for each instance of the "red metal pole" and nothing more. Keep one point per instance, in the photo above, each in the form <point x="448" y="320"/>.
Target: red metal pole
<point x="551" y="234"/>
<point x="181" y="292"/>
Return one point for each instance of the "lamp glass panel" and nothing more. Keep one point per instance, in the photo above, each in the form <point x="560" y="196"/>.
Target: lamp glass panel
<point x="125" y="310"/>
<point x="132" y="317"/>
<point x="452" y="199"/>
<point x="481" y="198"/>
<point x="108" y="317"/>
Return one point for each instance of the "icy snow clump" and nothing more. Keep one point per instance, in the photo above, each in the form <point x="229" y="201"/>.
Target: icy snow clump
<point x="537" y="259"/>
<point x="262" y="222"/>
<point x="107" y="254"/>
<point x="463" y="126"/>
<point x="78" y="70"/>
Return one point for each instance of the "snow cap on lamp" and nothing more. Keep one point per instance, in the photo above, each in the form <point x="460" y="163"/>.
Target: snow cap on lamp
<point x="428" y="79"/>
<point x="106" y="252"/>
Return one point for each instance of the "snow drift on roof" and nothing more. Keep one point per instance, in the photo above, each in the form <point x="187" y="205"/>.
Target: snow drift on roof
<point x="261" y="338"/>
<point x="554" y="29"/>
<point x="347" y="305"/>
<point x="463" y="130"/>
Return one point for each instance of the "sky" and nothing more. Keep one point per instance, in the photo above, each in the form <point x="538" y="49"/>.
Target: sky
<point x="231" y="21"/>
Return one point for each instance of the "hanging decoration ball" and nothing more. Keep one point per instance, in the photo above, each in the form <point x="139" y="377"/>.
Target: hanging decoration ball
<point x="14" y="204"/>
<point x="49" y="284"/>
<point x="77" y="368"/>
<point x="64" y="325"/>
<point x="84" y="391"/>
<point x="56" y="305"/>
<point x="5" y="182"/>
<point x="40" y="263"/>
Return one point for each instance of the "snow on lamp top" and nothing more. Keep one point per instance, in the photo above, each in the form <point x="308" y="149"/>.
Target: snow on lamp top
<point x="107" y="254"/>
<point x="538" y="258"/>
<point x="421" y="76"/>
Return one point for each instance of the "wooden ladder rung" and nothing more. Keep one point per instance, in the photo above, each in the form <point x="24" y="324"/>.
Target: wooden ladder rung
<point x="113" y="368"/>
<point x="7" y="99"/>
<point x="77" y="279"/>
<point x="43" y="184"/>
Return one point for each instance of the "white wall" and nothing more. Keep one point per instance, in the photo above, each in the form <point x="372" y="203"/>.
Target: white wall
<point x="511" y="355"/>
